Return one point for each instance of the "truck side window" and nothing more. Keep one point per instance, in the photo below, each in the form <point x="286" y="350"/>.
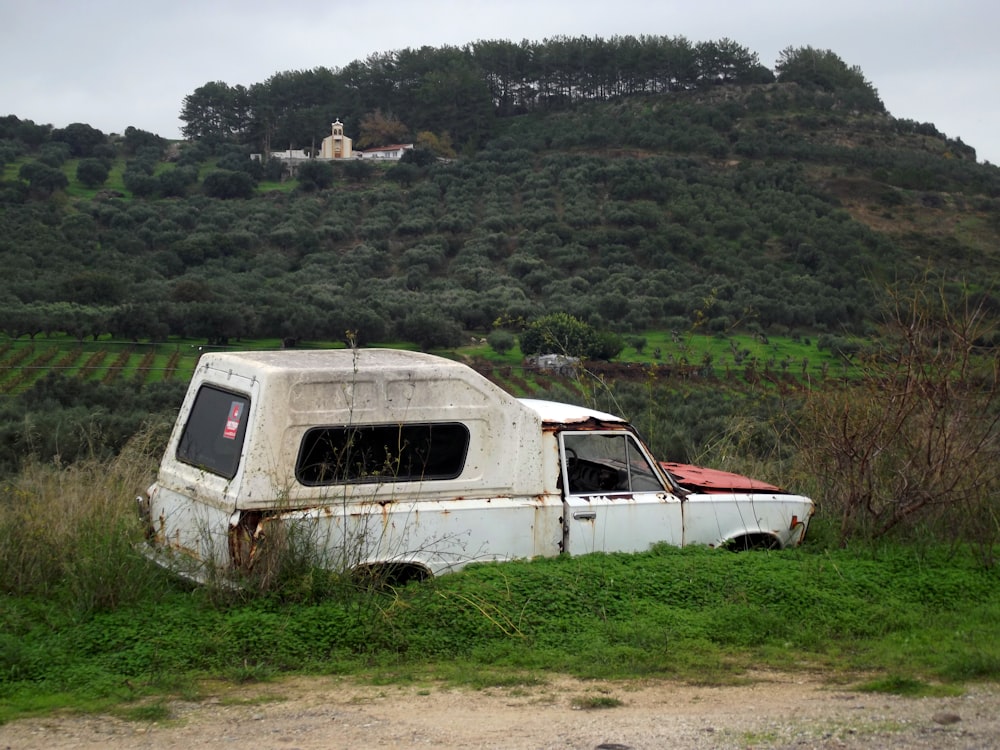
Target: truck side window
<point x="213" y="436"/>
<point x="382" y="453"/>
<point x="606" y="463"/>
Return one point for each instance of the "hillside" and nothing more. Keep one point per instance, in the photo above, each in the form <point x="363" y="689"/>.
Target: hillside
<point x="760" y="207"/>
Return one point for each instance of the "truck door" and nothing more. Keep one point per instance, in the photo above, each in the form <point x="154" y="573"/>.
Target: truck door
<point x="614" y="498"/>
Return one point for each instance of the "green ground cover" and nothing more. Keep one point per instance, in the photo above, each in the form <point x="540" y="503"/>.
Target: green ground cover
<point x="916" y="618"/>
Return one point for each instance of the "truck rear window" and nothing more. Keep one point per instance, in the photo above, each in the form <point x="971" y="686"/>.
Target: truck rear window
<point x="213" y="436"/>
<point x="382" y="453"/>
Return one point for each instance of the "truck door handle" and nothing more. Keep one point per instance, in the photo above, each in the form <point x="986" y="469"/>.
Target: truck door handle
<point x="585" y="515"/>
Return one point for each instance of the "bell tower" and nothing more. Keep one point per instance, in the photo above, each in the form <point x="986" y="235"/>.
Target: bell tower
<point x="336" y="145"/>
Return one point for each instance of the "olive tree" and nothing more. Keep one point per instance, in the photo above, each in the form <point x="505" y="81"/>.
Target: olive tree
<point x="315" y="175"/>
<point x="429" y="329"/>
<point x="81" y="138"/>
<point x="42" y="179"/>
<point x="92" y="172"/>
<point x="228" y="184"/>
<point x="501" y="341"/>
<point x="560" y="333"/>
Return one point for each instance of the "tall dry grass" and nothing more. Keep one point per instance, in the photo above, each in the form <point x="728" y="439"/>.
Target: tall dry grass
<point x="71" y="531"/>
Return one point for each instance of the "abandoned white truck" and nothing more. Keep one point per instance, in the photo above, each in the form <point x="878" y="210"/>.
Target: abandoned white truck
<point x="395" y="460"/>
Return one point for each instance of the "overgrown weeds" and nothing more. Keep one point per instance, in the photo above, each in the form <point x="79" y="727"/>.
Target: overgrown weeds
<point x="69" y="533"/>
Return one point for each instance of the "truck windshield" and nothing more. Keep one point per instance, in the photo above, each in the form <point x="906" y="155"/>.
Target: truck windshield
<point x="606" y="463"/>
<point x="213" y="436"/>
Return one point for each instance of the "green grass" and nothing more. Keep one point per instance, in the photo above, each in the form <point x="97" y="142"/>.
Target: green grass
<point x="288" y="186"/>
<point x="663" y="348"/>
<point x="907" y="686"/>
<point x="87" y="623"/>
<point x="591" y="702"/>
<point x="114" y="183"/>
<point x="147" y="712"/>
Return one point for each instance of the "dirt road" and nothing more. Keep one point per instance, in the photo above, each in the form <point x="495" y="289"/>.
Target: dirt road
<point x="772" y="711"/>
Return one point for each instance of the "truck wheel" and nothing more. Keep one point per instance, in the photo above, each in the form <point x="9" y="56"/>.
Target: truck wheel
<point x="751" y="542"/>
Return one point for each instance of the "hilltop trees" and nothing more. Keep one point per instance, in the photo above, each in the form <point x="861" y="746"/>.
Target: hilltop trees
<point x="388" y="96"/>
<point x="461" y="89"/>
<point x="26" y="132"/>
<point x="216" y="113"/>
<point x="824" y="70"/>
<point x="48" y="153"/>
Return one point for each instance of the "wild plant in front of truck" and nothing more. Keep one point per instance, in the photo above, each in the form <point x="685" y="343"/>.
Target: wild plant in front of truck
<point x="65" y="531"/>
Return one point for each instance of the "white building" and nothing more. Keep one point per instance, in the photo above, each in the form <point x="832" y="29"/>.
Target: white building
<point x="393" y="152"/>
<point x="288" y="155"/>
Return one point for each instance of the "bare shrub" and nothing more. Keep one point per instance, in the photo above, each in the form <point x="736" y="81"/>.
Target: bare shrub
<point x="915" y="441"/>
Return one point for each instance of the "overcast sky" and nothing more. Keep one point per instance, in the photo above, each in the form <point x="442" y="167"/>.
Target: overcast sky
<point x="115" y="63"/>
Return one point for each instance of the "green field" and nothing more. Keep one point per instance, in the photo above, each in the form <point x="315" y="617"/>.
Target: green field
<point x="24" y="361"/>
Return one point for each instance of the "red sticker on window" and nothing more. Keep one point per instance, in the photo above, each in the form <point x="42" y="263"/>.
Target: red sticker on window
<point x="233" y="421"/>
